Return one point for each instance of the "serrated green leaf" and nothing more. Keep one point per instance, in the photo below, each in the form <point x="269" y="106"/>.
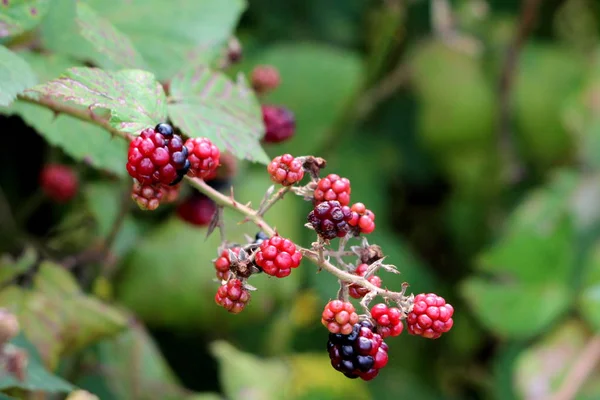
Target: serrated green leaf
<point x="76" y="320"/>
<point x="18" y="16"/>
<point x="171" y="34"/>
<point x="107" y="39"/>
<point x="37" y="377"/>
<point x="15" y="76"/>
<point x="134" y="97"/>
<point x="207" y="103"/>
<point x="506" y="308"/>
<point x="81" y="140"/>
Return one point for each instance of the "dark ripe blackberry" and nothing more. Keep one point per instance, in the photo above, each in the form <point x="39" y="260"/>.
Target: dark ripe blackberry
<point x="260" y="237"/>
<point x="164" y="129"/>
<point x="330" y="220"/>
<point x="361" y="354"/>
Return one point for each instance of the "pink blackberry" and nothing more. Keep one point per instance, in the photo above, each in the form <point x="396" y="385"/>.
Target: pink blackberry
<point x="330" y="220"/>
<point x="59" y="182"/>
<point x="204" y="157"/>
<point x="264" y="78"/>
<point x="277" y="256"/>
<point x="430" y="317"/>
<point x="363" y="220"/>
<point x="286" y="170"/>
<point x="233" y="296"/>
<point x="147" y="197"/>
<point x="333" y="187"/>
<point x="361" y="354"/>
<point x="358" y="292"/>
<point x="339" y="317"/>
<point x="157" y="156"/>
<point x="280" y="124"/>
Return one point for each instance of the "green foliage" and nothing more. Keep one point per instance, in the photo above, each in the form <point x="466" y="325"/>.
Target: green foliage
<point x="107" y="39"/>
<point x="37" y="377"/>
<point x="15" y="76"/>
<point x="206" y="103"/>
<point x="134" y="98"/>
<point x="18" y="16"/>
<point x="80" y="321"/>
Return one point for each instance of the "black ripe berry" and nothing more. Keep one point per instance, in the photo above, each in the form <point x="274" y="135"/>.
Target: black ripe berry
<point x="164" y="129"/>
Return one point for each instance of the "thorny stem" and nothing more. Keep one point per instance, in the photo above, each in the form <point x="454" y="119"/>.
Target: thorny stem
<point x="316" y="257"/>
<point x="276" y="197"/>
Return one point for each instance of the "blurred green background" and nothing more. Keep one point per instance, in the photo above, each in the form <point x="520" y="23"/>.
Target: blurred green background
<point x="470" y="127"/>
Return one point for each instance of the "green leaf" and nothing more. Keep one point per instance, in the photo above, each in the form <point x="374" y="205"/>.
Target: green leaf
<point x="77" y="320"/>
<point x="241" y="374"/>
<point x="589" y="296"/>
<point x="37" y="377"/>
<point x="81" y="140"/>
<point x="107" y="39"/>
<point x="171" y="34"/>
<point x="207" y="103"/>
<point x="506" y="308"/>
<point x="334" y="73"/>
<point x="134" y="97"/>
<point x="134" y="355"/>
<point x="18" y="16"/>
<point x="542" y="368"/>
<point x="15" y="76"/>
<point x="10" y="268"/>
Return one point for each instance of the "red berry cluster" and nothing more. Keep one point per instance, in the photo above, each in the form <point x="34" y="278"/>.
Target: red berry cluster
<point x="357" y="291"/>
<point x="362" y="220"/>
<point x="233" y="296"/>
<point x="330" y="220"/>
<point x="430" y="317"/>
<point x="147" y="197"/>
<point x="204" y="157"/>
<point x="59" y="182"/>
<point x="339" y="317"/>
<point x="280" y="124"/>
<point x="333" y="187"/>
<point x="389" y="320"/>
<point x="360" y="354"/>
<point x="223" y="263"/>
<point x="265" y="78"/>
<point x="157" y="157"/>
<point x="286" y="170"/>
<point x="277" y="256"/>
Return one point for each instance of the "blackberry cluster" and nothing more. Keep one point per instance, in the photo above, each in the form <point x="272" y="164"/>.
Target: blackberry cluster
<point x="280" y="123"/>
<point x="330" y="220"/>
<point x="158" y="157"/>
<point x="361" y="354"/>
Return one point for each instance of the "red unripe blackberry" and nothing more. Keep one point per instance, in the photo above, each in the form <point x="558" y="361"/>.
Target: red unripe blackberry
<point x="59" y="182"/>
<point x="389" y="320"/>
<point x="223" y="263"/>
<point x="147" y="197"/>
<point x="333" y="187"/>
<point x="286" y="170"/>
<point x="197" y="209"/>
<point x="204" y="157"/>
<point x="155" y="157"/>
<point x="232" y="296"/>
<point x="277" y="256"/>
<point x="264" y="78"/>
<point x="330" y="220"/>
<point x="339" y="317"/>
<point x="227" y="168"/>
<point x="430" y="317"/>
<point x="361" y="354"/>
<point x="280" y="124"/>
<point x="358" y="292"/>
<point x="363" y="220"/>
